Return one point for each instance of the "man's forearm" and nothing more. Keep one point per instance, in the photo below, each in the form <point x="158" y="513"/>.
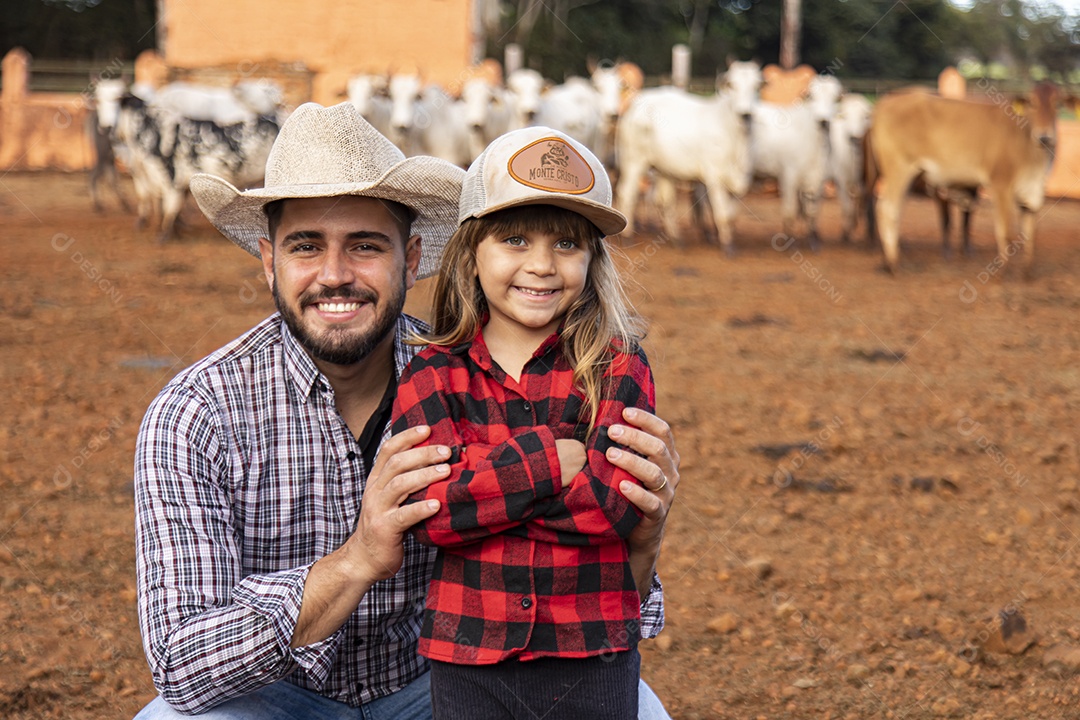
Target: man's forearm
<point x="643" y="567"/>
<point x="335" y="585"/>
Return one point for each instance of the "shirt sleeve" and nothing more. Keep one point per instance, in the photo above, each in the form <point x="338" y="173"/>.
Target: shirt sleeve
<point x="652" y="610"/>
<point x="591" y="509"/>
<point x="490" y="488"/>
<point x="210" y="634"/>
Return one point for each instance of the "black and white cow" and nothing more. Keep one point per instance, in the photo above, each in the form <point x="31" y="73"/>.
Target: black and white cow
<point x="101" y="119"/>
<point x="168" y="148"/>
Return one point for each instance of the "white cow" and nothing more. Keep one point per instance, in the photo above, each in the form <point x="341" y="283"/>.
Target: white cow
<point x="487" y="112"/>
<point x="526" y="87"/>
<point x="427" y="121"/>
<point x="683" y="137"/>
<point x="846" y="133"/>
<point x="574" y="108"/>
<point x="368" y="93"/>
<point x="224" y="106"/>
<point x="790" y="143"/>
<point x="741" y="83"/>
<point x="609" y="88"/>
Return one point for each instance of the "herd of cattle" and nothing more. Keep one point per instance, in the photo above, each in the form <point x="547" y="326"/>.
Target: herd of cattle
<point x="652" y="139"/>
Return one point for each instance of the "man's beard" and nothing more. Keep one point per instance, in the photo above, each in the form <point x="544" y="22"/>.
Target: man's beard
<point x="344" y="346"/>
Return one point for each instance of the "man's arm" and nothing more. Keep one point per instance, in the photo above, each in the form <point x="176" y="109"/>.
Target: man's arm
<point x="210" y="632"/>
<point x="336" y="583"/>
<point x="650" y="436"/>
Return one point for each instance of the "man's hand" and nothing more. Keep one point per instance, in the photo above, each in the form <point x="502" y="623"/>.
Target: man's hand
<point x="336" y="583"/>
<point x="658" y="473"/>
<point x="399" y="470"/>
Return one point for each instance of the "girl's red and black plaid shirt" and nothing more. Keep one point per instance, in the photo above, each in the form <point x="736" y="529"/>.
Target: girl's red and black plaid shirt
<point x="526" y="568"/>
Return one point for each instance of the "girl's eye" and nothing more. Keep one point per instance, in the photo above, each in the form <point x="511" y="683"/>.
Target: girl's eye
<point x="515" y="240"/>
<point x="566" y="244"/>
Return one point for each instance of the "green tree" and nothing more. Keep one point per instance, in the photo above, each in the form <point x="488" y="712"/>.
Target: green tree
<point x="98" y="30"/>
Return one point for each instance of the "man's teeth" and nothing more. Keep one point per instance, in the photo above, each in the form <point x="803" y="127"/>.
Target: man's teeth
<point x="529" y="291"/>
<point x="338" y="307"/>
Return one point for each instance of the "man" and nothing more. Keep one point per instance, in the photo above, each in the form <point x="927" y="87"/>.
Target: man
<point x="271" y="523"/>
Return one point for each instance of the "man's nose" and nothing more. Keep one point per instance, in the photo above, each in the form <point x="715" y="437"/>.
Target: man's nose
<point x="336" y="270"/>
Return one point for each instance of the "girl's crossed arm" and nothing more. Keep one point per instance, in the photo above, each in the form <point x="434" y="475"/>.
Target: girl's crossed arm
<point x="591" y="508"/>
<point x="491" y="488"/>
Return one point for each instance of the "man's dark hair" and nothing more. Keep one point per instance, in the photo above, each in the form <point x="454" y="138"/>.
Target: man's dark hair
<point x="402" y="214"/>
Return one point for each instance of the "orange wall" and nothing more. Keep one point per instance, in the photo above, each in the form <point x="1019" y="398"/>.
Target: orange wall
<point x="334" y="38"/>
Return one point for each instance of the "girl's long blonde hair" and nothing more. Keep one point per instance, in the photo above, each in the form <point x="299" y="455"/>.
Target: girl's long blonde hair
<point x="600" y="323"/>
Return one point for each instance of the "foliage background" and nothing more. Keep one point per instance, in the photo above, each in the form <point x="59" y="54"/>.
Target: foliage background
<point x="912" y="39"/>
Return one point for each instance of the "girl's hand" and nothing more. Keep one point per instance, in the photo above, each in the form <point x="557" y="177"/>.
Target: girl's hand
<point x="571" y="458"/>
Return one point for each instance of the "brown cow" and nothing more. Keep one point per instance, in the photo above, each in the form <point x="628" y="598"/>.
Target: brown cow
<point x="959" y="143"/>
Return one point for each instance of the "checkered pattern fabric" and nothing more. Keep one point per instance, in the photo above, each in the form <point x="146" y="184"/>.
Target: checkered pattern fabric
<point x="245" y="475"/>
<point x="526" y="568"/>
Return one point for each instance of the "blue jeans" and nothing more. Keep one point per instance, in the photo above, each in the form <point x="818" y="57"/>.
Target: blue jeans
<point x="284" y="701"/>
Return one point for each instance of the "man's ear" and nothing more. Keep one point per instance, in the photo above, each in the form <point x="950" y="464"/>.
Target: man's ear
<point x="412" y="260"/>
<point x="266" y="251"/>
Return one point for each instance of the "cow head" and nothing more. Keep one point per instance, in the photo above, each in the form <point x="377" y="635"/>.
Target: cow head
<point x="405" y="92"/>
<point x="823" y="93"/>
<point x="608" y="84"/>
<point x="477" y="95"/>
<point x="741" y="83"/>
<point x="853" y="117"/>
<point x="107" y="94"/>
<point x="527" y="86"/>
<point x="362" y="89"/>
<point x="1041" y="114"/>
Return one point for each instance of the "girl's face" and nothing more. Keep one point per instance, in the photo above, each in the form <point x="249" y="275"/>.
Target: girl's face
<point x="531" y="280"/>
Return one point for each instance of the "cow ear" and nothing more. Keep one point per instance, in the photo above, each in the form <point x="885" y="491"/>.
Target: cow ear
<point x="590" y="63"/>
<point x="770" y="73"/>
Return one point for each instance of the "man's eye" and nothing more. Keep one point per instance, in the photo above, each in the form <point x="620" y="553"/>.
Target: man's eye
<point x="302" y="248"/>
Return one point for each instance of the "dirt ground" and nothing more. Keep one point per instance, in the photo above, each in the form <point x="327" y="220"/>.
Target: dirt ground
<point x="874" y="468"/>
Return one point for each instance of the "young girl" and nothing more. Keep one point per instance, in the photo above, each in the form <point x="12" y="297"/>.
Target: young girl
<point x="534" y="353"/>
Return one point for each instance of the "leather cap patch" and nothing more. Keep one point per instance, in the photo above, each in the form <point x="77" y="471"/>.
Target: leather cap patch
<point x="552" y="165"/>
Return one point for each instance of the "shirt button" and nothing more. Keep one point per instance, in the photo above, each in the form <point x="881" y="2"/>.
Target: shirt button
<point x="527" y="407"/>
<point x="351" y="455"/>
<point x="526" y="603"/>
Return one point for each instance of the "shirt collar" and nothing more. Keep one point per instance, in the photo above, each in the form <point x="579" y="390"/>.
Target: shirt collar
<point x="477" y="349"/>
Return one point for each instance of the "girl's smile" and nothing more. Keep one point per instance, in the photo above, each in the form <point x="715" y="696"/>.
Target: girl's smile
<point x="531" y="280"/>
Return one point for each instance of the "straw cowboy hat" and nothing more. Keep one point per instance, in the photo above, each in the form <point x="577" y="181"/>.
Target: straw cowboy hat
<point x="330" y="151"/>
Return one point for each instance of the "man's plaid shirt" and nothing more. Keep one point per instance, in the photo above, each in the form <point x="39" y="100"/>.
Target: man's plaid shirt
<point x="526" y="568"/>
<point x="245" y="475"/>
